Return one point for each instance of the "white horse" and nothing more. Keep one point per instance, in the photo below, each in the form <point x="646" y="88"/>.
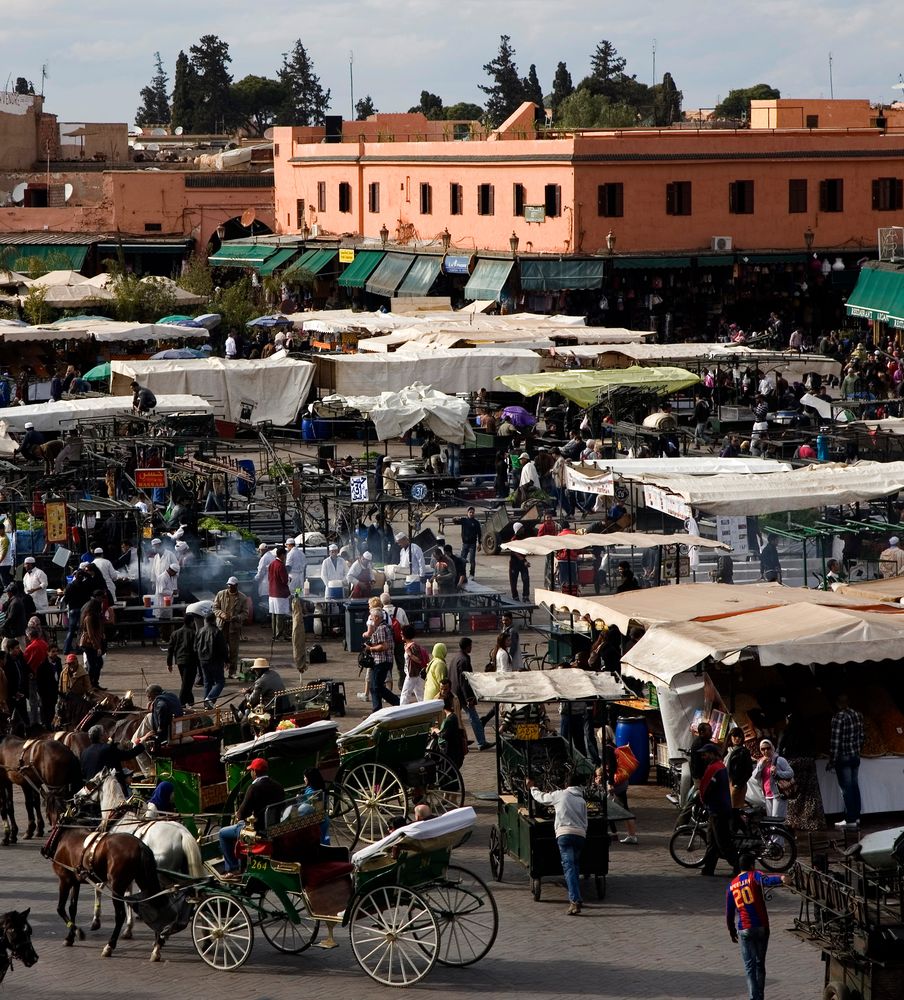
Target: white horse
<point x="173" y="847"/>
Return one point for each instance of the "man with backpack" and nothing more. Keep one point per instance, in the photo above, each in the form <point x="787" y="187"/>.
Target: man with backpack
<point x="396" y="619"/>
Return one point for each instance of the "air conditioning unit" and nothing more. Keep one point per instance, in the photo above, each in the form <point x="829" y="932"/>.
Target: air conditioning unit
<point x="721" y="243"/>
<point x="315" y="231"/>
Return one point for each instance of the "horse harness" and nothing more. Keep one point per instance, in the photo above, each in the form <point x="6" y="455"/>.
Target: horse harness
<point x="83" y="869"/>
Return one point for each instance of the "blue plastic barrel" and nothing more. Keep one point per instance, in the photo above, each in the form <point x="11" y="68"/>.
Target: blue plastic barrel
<point x="307" y="429"/>
<point x="245" y="487"/>
<point x="632" y="730"/>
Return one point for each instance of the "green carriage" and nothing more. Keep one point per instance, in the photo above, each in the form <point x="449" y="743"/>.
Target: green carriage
<point x="405" y="905"/>
<point x="527" y="748"/>
<point x="389" y="762"/>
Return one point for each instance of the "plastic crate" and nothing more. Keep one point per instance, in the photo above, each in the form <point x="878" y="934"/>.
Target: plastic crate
<point x="487" y="622"/>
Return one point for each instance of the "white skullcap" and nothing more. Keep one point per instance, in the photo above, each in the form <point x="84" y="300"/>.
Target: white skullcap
<point x="262" y="547"/>
<point x="367" y="556"/>
<point x="29" y="426"/>
<point x="233" y="580"/>
<point x="894" y="540"/>
<point x="517" y="526"/>
<point x="156" y="541"/>
<point x="98" y="551"/>
<point x="524" y="455"/>
<point x="290" y="541"/>
<point x="400" y="535"/>
<point x="181" y="545"/>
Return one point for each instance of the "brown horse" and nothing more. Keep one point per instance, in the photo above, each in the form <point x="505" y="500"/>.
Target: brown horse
<point x="15" y="941"/>
<point x="41" y="767"/>
<point x="116" y="860"/>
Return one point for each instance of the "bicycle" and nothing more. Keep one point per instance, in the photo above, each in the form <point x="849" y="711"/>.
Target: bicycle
<point x="768" y="840"/>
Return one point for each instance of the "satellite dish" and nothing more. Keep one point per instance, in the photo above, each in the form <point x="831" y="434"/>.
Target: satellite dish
<point x="248" y="217"/>
<point x="179" y="130"/>
<point x="158" y="131"/>
<point x="152" y="147"/>
<point x="269" y="133"/>
<point x="19" y="192"/>
<point x="136" y="130"/>
<point x="67" y="192"/>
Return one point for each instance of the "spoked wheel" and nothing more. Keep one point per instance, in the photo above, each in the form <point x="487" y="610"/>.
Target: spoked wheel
<point x="467" y="916"/>
<point x="277" y="926"/>
<point x="395" y="936"/>
<point x="497" y="853"/>
<point x="449" y="790"/>
<point x="222" y="932"/>
<point x="345" y="819"/>
<point x="379" y="796"/>
<point x="779" y="850"/>
<point x="688" y="846"/>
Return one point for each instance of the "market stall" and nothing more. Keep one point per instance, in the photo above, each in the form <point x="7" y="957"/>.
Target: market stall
<point x="587" y="388"/>
<point x="55" y="417"/>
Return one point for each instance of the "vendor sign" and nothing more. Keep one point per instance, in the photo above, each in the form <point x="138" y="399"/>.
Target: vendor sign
<point x="151" y="479"/>
<point x="56" y="521"/>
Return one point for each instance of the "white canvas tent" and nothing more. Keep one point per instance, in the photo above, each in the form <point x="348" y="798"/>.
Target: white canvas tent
<point x="106" y="333"/>
<point x="576" y="543"/>
<point x="52" y="417"/>
<point x="276" y="387"/>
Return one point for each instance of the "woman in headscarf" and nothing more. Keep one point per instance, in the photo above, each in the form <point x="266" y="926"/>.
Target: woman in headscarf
<point x="437" y="672"/>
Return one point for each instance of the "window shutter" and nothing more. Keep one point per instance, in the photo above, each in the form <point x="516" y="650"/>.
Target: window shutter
<point x="601" y="199"/>
<point x="686" y="208"/>
<point x="839" y="201"/>
<point x="876" y="187"/>
<point x="823" y="195"/>
<point x="899" y="194"/>
<point x="733" y="197"/>
<point x="492" y="199"/>
<point x="619" y="200"/>
<point x="670" y="199"/>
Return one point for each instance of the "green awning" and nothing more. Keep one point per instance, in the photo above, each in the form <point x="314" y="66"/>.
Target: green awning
<point x="389" y="273"/>
<point x="277" y="260"/>
<point x="560" y="275"/>
<point x="71" y="257"/>
<point x="360" y="269"/>
<point x="875" y="293"/>
<point x="488" y="279"/>
<point x="315" y="261"/>
<point x="588" y="387"/>
<point x="649" y="263"/>
<point x="716" y="260"/>
<point x="421" y="276"/>
<point x="772" y="258"/>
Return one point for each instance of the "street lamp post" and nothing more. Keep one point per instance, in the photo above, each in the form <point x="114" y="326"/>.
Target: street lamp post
<point x="513" y="243"/>
<point x="610" y="242"/>
<point x="384" y="235"/>
<point x="446" y="237"/>
<point x="809" y="236"/>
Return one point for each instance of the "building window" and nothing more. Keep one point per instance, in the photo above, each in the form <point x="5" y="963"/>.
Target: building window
<point x="610" y="200"/>
<point x="321" y="196"/>
<point x="552" y="197"/>
<point x="456" y="199"/>
<point x="153" y="227"/>
<point x="888" y="194"/>
<point x="812" y="121"/>
<point x="740" y="197"/>
<point x="345" y="197"/>
<point x="426" y="199"/>
<point x="373" y="197"/>
<point x="797" y="196"/>
<point x="831" y="195"/>
<point x="484" y="199"/>
<point x="275" y="149"/>
<point x="299" y="213"/>
<point x="677" y="198"/>
<point x="518" y="199"/>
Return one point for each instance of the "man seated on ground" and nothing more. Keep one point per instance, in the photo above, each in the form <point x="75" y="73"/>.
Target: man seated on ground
<point x="262" y="792"/>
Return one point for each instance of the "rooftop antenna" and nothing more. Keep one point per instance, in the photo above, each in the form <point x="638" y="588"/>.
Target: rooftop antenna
<point x="654" y="61"/>
<point x="831" y="87"/>
<point x="351" y="80"/>
<point x="44" y="76"/>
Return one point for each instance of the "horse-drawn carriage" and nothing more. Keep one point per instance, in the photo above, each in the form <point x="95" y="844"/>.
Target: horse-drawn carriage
<point x="389" y="761"/>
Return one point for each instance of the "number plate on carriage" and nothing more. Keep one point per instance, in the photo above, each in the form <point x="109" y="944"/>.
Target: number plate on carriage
<point x="527" y="731"/>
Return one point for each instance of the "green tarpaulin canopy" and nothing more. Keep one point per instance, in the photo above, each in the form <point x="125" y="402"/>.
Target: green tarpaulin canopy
<point x="421" y="276"/>
<point x="314" y="261"/>
<point x="361" y="268"/>
<point x="388" y="275"/>
<point x="277" y="260"/>
<point x="488" y="279"/>
<point x="875" y="294"/>
<point x="586" y="387"/>
<point x="649" y="263"/>
<point x="263" y="257"/>
<point x="16" y="257"/>
<point x="560" y="275"/>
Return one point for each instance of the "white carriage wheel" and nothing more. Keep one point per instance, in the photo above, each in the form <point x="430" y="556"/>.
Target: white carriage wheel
<point x="222" y="932"/>
<point x="379" y="796"/>
<point x="394" y="935"/>
<point x="277" y="927"/>
<point x="344" y="816"/>
<point x="448" y="791"/>
<point x="467" y="916"/>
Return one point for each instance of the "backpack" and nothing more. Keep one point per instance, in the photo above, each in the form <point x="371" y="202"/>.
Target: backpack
<point x="417" y="667"/>
<point x="396" y="626"/>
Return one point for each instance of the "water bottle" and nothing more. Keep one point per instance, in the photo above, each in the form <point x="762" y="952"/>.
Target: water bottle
<point x="822" y="447"/>
<point x="306" y="587"/>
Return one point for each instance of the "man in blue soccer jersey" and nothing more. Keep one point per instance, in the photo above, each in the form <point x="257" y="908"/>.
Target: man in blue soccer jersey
<point x="748" y="920"/>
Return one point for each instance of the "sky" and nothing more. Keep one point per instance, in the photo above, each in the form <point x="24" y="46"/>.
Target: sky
<point x="99" y="53"/>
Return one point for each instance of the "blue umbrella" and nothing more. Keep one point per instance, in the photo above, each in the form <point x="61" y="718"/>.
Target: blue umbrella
<point x="270" y="321"/>
<point x="518" y="416"/>
<point x="188" y="323"/>
<point x="181" y="354"/>
<point x="209" y="320"/>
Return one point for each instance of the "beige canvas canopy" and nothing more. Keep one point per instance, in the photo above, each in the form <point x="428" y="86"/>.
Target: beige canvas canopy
<point x="577" y="543"/>
<point x="529" y="687"/>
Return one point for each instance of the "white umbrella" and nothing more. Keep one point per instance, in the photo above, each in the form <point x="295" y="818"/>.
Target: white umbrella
<point x="60" y="278"/>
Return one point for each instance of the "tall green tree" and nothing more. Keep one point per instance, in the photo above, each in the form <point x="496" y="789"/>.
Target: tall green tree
<point x="607" y="68"/>
<point x="582" y="109"/>
<point x="534" y="92"/>
<point x="506" y="92"/>
<point x="185" y="84"/>
<point x="154" y="108"/>
<point x="24" y="86"/>
<point x="430" y="106"/>
<point x="364" y="108"/>
<point x="737" y="105"/>
<point x="306" y="101"/>
<point x="666" y="102"/>
<point x="210" y="59"/>
<point x="257" y="101"/>
<point x="465" y="111"/>
<point x="562" y="87"/>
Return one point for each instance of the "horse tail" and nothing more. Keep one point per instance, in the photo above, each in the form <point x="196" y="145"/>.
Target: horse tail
<point x="147" y="878"/>
<point x="192" y="851"/>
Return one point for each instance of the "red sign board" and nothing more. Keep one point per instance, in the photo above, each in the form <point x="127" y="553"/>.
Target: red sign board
<point x="151" y="479"/>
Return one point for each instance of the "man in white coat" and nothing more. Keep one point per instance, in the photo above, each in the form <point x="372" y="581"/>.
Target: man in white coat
<point x="411" y="556"/>
<point x="296" y="564"/>
<point x="267" y="556"/>
<point x="34" y="581"/>
<point x="106" y="571"/>
<point x="334" y="567"/>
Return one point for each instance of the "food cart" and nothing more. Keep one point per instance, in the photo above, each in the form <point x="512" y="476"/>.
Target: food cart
<point x="526" y="748"/>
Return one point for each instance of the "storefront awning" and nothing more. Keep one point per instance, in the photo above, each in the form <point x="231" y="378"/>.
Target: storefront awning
<point x="277" y="260"/>
<point x="716" y="260"/>
<point x="488" y="279"/>
<point x="144" y="247"/>
<point x="560" y="275"/>
<point x="389" y="274"/>
<point x="360" y="269"/>
<point x="649" y="263"/>
<point x="74" y="255"/>
<point x="315" y="261"/>
<point x="772" y="258"/>
<point x="252" y="255"/>
<point x="875" y="292"/>
<point x="421" y="276"/>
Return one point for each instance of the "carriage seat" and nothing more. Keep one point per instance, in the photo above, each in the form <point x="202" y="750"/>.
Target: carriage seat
<point x="329" y="865"/>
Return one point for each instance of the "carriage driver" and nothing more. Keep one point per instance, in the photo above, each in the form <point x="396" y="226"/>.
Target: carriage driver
<point x="262" y="792"/>
<point x="100" y="754"/>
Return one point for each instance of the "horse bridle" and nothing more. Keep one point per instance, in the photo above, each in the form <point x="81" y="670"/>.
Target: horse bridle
<point x="14" y="949"/>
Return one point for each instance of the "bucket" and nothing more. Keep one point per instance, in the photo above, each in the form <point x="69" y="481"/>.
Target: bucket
<point x="412" y="584"/>
<point x="632" y="730"/>
<point x="167" y="601"/>
<point x="334" y="590"/>
<point x="148" y="600"/>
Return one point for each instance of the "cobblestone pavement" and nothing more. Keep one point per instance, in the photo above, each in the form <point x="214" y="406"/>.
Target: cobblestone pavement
<point x="660" y="933"/>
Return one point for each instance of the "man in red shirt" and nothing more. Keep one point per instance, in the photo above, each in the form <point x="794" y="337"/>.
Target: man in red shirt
<point x="548" y="526"/>
<point x="35" y="656"/>
<point x="278" y="584"/>
<point x="567" y="565"/>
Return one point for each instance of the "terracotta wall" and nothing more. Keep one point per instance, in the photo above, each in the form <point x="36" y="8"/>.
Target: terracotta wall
<point x="792" y="113"/>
